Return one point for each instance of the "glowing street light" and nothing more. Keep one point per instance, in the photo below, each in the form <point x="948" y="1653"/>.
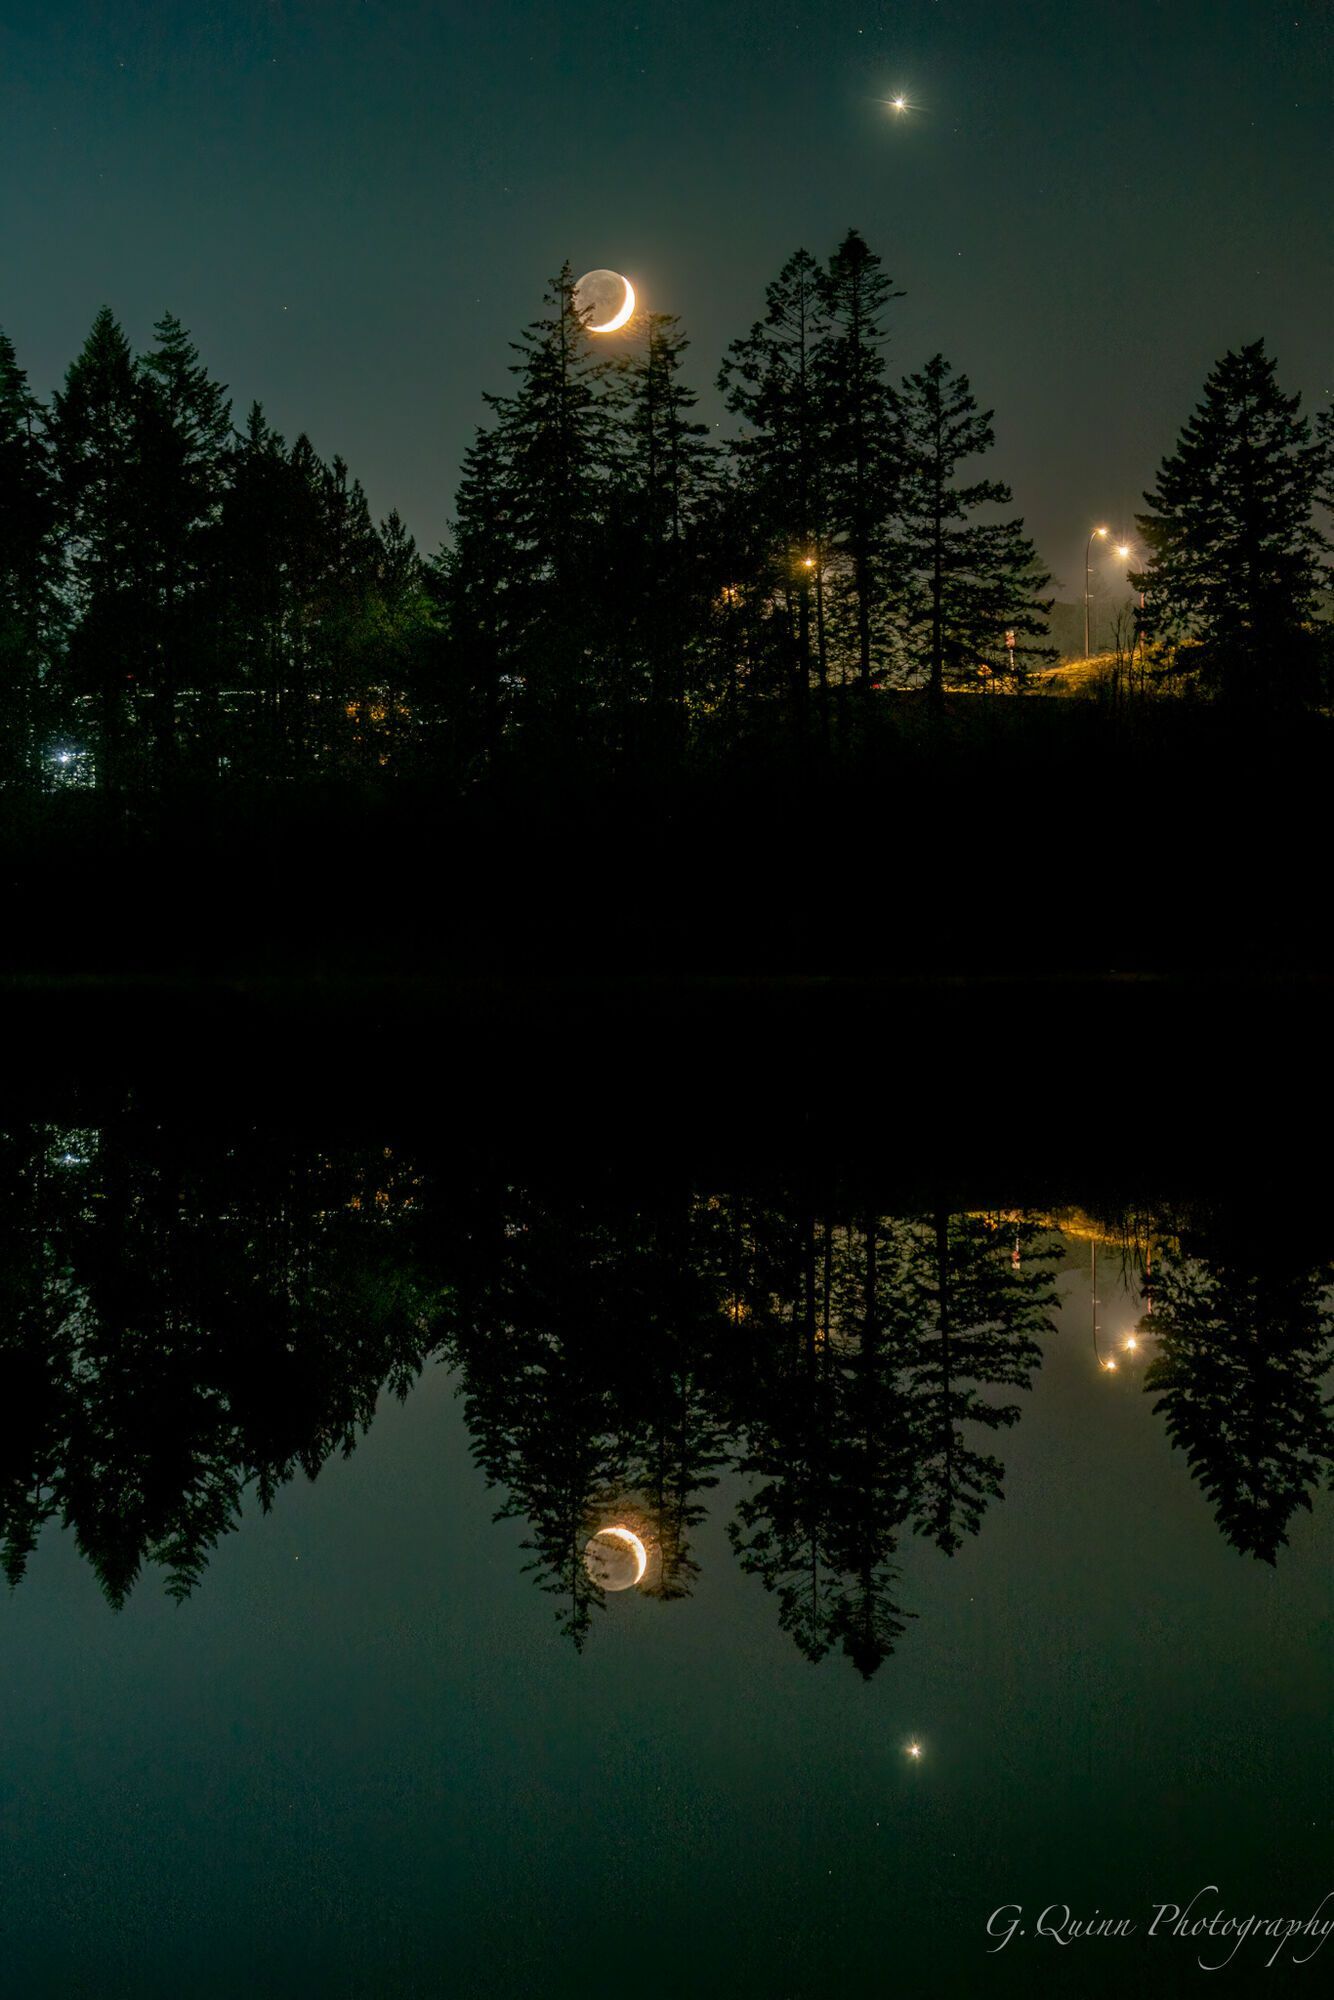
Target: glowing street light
<point x="1098" y="535"/>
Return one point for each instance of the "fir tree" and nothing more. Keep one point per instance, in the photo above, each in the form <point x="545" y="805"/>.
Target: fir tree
<point x="399" y="648"/>
<point x="965" y="582"/>
<point x="1234" y="552"/>
<point x="473" y="580"/>
<point x="662" y="470"/>
<point x="341" y="646"/>
<point x="552" y="445"/>
<point x="95" y="435"/>
<point x="29" y="569"/>
<point x="258" y="608"/>
<point x="185" y="438"/>
<point x="770" y="380"/>
<point x="865" y="470"/>
<point x="1324" y="434"/>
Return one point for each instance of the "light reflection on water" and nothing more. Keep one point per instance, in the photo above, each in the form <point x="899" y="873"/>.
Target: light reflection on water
<point x="844" y="1434"/>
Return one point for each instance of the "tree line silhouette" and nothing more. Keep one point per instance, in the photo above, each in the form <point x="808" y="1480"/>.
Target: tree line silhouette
<point x="180" y="597"/>
<point x="183" y="1325"/>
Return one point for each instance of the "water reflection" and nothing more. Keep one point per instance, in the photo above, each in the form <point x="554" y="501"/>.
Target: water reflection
<point x="1244" y="1350"/>
<point x="182" y="1324"/>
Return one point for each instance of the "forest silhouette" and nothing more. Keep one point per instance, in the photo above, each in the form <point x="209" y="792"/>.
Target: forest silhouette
<point x="187" y="1325"/>
<point x="658" y="674"/>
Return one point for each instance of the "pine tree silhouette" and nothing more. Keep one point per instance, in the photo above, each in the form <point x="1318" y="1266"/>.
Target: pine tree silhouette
<point x="966" y="581"/>
<point x="1234" y="553"/>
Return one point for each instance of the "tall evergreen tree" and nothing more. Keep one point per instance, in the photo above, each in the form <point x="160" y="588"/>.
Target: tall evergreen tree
<point x="663" y="466"/>
<point x="1324" y="435"/>
<point x="770" y="379"/>
<point x="399" y="651"/>
<point x="257" y="607"/>
<point x="347" y="556"/>
<point x="474" y="580"/>
<point x="185" y="438"/>
<point x="29" y="569"/>
<point x="95" y="435"/>
<point x="552" y="445"/>
<point x="1234" y="552"/>
<point x="965" y="582"/>
<point x="865" y="469"/>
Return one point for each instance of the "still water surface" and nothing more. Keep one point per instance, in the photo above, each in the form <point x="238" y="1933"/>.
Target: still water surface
<point x="287" y="1708"/>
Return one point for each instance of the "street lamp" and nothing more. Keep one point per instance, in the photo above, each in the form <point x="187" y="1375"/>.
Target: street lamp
<point x="1099" y="534"/>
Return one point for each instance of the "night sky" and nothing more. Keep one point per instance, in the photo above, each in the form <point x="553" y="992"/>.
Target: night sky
<point x="354" y="204"/>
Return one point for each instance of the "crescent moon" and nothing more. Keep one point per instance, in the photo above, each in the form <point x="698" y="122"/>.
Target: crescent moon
<point x="623" y="312"/>
<point x="624" y="1534"/>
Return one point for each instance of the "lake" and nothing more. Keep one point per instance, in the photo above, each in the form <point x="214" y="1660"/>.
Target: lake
<point x="970" y="1494"/>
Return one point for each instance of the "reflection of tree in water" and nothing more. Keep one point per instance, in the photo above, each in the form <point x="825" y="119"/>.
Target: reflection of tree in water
<point x="822" y="1436"/>
<point x="972" y="1301"/>
<point x="866" y="1369"/>
<point x="581" y="1335"/>
<point x="176" y="1329"/>
<point x="1246" y="1342"/>
<point x="182" y="1323"/>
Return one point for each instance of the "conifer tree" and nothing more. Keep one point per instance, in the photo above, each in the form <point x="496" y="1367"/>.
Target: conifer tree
<point x="771" y="380"/>
<point x="1324" y="435"/>
<point x="95" y="435"/>
<point x="349" y="555"/>
<point x="1234" y="551"/>
<point x="185" y="438"/>
<point x="965" y="581"/>
<point x="256" y="586"/>
<point x="398" y="648"/>
<point x="662" y="472"/>
<point x="864" y="446"/>
<point x="29" y="569"/>
<point x="552" y="445"/>
<point x="474" y="580"/>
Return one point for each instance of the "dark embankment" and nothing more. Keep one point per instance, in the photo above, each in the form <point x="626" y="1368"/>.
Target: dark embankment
<point x="1021" y="838"/>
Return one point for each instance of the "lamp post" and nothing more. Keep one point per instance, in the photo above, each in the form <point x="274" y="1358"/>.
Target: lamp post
<point x="1099" y="534"/>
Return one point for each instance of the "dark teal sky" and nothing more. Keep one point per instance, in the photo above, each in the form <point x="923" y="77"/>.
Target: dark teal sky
<point x="354" y="203"/>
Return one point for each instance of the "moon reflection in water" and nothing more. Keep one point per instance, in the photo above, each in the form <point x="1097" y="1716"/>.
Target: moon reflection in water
<point x="615" y="1558"/>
